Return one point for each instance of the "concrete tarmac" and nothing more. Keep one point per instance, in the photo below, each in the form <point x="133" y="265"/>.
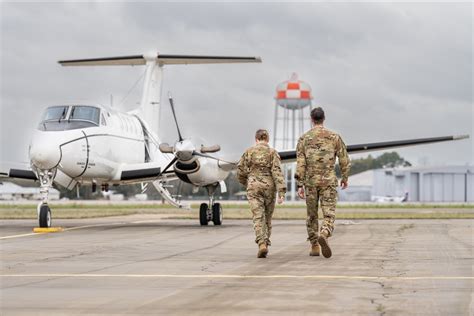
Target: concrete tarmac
<point x="149" y="265"/>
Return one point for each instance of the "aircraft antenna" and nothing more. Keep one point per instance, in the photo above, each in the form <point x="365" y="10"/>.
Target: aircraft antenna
<point x="132" y="88"/>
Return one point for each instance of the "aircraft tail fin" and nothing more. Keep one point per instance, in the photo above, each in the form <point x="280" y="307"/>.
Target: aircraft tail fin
<point x="148" y="110"/>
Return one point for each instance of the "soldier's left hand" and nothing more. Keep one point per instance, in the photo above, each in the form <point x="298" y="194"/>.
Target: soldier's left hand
<point x="280" y="200"/>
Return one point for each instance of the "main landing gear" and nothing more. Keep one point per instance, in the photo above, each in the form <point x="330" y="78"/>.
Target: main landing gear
<point x="44" y="212"/>
<point x="212" y="211"/>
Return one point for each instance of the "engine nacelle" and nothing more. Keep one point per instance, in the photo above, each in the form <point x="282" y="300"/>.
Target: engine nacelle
<point x="201" y="172"/>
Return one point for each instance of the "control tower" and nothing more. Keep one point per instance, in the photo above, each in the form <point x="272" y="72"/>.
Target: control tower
<point x="293" y="97"/>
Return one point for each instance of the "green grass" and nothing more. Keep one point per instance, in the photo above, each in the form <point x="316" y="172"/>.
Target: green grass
<point x="158" y="205"/>
<point x="92" y="211"/>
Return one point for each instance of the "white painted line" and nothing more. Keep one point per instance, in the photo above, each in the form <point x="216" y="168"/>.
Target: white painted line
<point x="236" y="276"/>
<point x="18" y="236"/>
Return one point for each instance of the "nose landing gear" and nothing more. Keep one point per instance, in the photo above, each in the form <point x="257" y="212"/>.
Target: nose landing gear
<point x="44" y="212"/>
<point x="212" y="211"/>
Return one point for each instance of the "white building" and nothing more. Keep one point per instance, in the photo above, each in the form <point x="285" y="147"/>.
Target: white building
<point x="423" y="184"/>
<point x="11" y="191"/>
<point x="360" y="187"/>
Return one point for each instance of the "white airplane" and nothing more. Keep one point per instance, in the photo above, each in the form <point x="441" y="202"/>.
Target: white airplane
<point x="99" y="146"/>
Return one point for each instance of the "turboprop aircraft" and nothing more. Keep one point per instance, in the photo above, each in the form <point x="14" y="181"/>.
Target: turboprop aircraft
<point x="82" y="144"/>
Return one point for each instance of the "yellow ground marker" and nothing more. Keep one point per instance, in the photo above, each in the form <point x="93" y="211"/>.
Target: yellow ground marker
<point x="43" y="230"/>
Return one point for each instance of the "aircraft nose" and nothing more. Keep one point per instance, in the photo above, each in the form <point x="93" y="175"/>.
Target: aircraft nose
<point x="45" y="155"/>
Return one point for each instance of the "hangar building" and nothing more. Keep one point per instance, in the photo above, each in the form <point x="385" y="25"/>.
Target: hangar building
<point x="422" y="184"/>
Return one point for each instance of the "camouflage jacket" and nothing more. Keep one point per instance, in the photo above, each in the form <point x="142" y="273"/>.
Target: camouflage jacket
<point x="316" y="154"/>
<point x="261" y="162"/>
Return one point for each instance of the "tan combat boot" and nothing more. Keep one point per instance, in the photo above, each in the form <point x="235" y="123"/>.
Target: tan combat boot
<point x="323" y="242"/>
<point x="315" y="250"/>
<point x="262" y="250"/>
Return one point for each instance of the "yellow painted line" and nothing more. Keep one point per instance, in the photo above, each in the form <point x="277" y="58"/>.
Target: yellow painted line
<point x="44" y="230"/>
<point x="63" y="229"/>
<point x="17" y="236"/>
<point x="236" y="276"/>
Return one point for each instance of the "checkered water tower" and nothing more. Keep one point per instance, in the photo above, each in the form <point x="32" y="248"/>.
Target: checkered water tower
<point x="292" y="119"/>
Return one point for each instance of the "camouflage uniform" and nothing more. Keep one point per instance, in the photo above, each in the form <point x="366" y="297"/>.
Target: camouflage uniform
<point x="316" y="156"/>
<point x="259" y="170"/>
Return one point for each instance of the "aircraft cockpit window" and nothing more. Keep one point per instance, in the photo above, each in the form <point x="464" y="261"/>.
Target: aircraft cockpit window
<point x="85" y="113"/>
<point x="57" y="118"/>
<point x="55" y="113"/>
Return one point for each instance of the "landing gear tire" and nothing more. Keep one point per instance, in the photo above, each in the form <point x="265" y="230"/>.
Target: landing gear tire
<point x="45" y="216"/>
<point x="203" y="214"/>
<point x="217" y="214"/>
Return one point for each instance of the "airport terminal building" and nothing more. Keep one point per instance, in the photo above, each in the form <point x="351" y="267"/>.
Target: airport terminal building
<point x="418" y="184"/>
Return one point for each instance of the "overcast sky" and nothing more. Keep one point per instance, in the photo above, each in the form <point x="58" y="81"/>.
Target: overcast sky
<point x="381" y="71"/>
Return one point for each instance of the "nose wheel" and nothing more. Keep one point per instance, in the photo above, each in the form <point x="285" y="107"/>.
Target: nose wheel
<point x="44" y="215"/>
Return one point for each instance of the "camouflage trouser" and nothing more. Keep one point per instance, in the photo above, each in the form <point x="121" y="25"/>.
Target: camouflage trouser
<point x="262" y="204"/>
<point x="327" y="196"/>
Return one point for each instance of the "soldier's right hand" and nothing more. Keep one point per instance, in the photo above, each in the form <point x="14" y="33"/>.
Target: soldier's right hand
<point x="344" y="184"/>
<point x="301" y="193"/>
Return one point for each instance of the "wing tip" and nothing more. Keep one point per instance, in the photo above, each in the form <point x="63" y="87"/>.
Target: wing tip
<point x="459" y="137"/>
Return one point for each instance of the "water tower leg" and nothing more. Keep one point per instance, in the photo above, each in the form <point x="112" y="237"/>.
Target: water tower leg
<point x="275" y="124"/>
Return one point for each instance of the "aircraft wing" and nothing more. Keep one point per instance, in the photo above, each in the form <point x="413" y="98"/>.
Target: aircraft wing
<point x="17" y="171"/>
<point x="290" y="155"/>
<point x="143" y="172"/>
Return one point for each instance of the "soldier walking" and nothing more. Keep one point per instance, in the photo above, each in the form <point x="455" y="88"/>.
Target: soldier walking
<point x="316" y="154"/>
<point x="259" y="170"/>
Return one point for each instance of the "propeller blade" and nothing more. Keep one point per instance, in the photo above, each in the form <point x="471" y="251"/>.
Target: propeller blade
<point x="169" y="165"/>
<point x="211" y="157"/>
<point x="174" y="115"/>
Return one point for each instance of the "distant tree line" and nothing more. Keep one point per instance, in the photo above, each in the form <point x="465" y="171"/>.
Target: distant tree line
<point x="386" y="160"/>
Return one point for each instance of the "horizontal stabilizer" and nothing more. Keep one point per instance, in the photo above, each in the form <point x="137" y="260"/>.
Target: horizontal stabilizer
<point x="290" y="155"/>
<point x="163" y="59"/>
